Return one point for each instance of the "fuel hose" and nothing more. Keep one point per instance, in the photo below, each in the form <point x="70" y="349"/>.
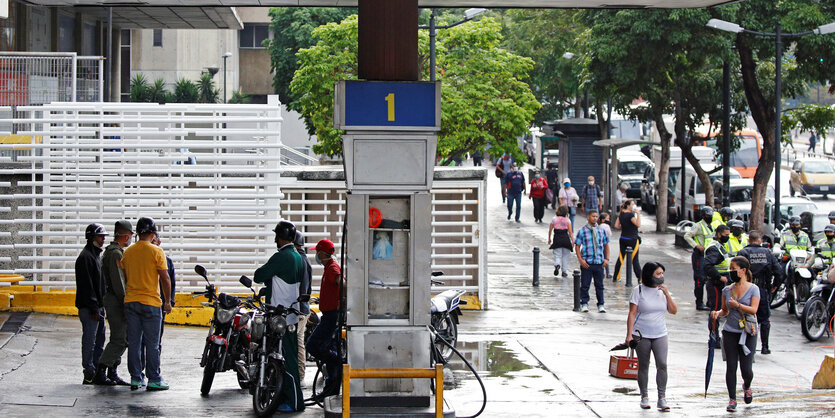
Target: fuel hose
<point x="472" y="369"/>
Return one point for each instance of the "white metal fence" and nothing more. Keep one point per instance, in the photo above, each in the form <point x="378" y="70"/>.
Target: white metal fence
<point x="36" y="78"/>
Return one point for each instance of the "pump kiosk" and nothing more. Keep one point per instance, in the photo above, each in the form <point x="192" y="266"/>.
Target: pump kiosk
<point x="389" y="149"/>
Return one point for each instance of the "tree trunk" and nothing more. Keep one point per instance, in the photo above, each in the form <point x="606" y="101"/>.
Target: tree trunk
<point x="763" y="114"/>
<point x="578" y="107"/>
<point x="662" y="210"/>
<point x="602" y="121"/>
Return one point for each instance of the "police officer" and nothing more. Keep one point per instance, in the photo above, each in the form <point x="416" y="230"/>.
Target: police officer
<point x="827" y="243"/>
<point x="699" y="237"/>
<point x="738" y="240"/>
<point x="764" y="267"/>
<point x="717" y="267"/>
<point x="722" y="218"/>
<point x="794" y="238"/>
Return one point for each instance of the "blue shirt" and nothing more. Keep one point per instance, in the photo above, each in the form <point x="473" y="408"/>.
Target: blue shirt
<point x="515" y="182"/>
<point x="593" y="254"/>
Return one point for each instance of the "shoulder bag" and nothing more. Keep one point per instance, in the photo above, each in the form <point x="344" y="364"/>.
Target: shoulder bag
<point x="748" y="321"/>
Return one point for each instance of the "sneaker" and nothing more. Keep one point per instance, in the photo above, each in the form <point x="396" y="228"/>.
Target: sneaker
<point x="644" y="402"/>
<point x="662" y="405"/>
<point x="601" y="309"/>
<point x="89" y="376"/>
<point x="584" y="307"/>
<point x="557" y="271"/>
<point x="608" y="276"/>
<point x="564" y="274"/>
<point x="161" y="385"/>
<point x="518" y="221"/>
<point x="508" y="217"/>
<point x="765" y="350"/>
<point x="748" y="396"/>
<point x="731" y="406"/>
<point x="135" y="384"/>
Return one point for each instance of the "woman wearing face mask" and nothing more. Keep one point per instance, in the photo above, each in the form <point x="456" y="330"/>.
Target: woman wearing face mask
<point x="649" y="302"/>
<point x="569" y="198"/>
<point x="538" y="187"/>
<point x="738" y="299"/>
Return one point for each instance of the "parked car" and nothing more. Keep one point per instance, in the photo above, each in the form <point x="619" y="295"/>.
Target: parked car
<point x="812" y="176"/>
<point x="632" y="166"/>
<point x="649" y="191"/>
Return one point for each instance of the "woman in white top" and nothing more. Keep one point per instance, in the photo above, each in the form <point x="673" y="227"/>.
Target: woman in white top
<point x="649" y="303"/>
<point x="568" y="197"/>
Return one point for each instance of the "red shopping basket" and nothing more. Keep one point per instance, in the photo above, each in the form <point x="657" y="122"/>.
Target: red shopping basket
<point x="624" y="367"/>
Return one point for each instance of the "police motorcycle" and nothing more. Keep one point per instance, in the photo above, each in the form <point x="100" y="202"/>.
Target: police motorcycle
<point x="268" y="368"/>
<point x="819" y="309"/>
<point x="227" y="345"/>
<point x="801" y="267"/>
<point x="445" y="310"/>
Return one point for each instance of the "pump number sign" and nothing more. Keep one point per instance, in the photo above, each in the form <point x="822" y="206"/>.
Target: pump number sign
<point x="391" y="106"/>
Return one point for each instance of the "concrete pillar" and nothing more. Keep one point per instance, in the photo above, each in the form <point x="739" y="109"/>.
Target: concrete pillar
<point x="388" y="40"/>
<point x="115" y="76"/>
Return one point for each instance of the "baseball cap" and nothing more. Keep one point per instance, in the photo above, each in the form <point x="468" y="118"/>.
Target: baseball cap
<point x="124" y="225"/>
<point x="324" y="245"/>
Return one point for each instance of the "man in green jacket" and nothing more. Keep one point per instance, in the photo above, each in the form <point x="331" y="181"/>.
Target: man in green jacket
<point x="282" y="276"/>
<point x="114" y="301"/>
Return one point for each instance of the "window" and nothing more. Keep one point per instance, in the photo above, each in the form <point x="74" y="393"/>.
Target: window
<point x="158" y="37"/>
<point x="253" y="35"/>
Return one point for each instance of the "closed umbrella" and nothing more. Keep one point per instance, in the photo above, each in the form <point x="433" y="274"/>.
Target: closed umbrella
<point x="711" y="346"/>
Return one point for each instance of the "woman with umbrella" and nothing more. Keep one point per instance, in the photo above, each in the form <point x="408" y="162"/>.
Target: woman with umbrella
<point x="739" y="303"/>
<point x="649" y="303"/>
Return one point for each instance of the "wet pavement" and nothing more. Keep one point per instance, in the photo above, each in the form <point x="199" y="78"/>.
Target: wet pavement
<point x="536" y="357"/>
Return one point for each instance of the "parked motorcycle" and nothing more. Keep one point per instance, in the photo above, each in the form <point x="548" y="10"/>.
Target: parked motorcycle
<point x="444" y="312"/>
<point x="227" y="346"/>
<point x="819" y="309"/>
<point x="269" y="324"/>
<point x="799" y="277"/>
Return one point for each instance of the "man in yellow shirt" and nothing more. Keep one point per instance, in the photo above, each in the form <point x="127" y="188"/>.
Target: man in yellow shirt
<point x="145" y="270"/>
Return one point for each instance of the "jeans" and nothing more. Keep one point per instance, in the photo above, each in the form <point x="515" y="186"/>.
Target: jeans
<point x="735" y="356"/>
<point x="572" y="212"/>
<point x="321" y="344"/>
<point x="504" y="189"/>
<point x="595" y="271"/>
<point x="510" y="199"/>
<point x="658" y="347"/>
<point x="92" y="338"/>
<point x="143" y="329"/>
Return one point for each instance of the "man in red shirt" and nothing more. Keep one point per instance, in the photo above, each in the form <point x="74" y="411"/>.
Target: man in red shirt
<point x="322" y="342"/>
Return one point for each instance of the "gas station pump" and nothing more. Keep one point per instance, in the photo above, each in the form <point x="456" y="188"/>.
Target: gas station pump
<point x="389" y="150"/>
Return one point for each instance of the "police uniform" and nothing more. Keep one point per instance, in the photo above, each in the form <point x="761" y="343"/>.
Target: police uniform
<point x="701" y="234"/>
<point x="735" y="244"/>
<point x="827" y="247"/>
<point x="717" y="265"/>
<point x="790" y="241"/>
<point x="764" y="268"/>
<point x="717" y="220"/>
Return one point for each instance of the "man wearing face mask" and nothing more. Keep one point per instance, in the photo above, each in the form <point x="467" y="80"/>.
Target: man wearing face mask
<point x="515" y="188"/>
<point x="717" y="267"/>
<point x="89" y="299"/>
<point x="794" y="238"/>
<point x="321" y="343"/>
<point x="304" y="307"/>
<point x="699" y="237"/>
<point x="766" y="269"/>
<point x="722" y="217"/>
<point x="827" y="243"/>
<point x="592" y="197"/>
<point x="738" y="240"/>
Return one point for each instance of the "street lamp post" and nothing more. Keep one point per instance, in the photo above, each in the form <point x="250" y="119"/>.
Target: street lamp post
<point x="225" y="57"/>
<point x="469" y="15"/>
<point x="778" y="89"/>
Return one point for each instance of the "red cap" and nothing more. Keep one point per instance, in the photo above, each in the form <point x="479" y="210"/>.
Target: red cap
<point x="324" y="245"/>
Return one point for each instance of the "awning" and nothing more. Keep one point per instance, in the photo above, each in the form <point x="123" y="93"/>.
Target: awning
<point x="126" y="16"/>
<point x="623" y="142"/>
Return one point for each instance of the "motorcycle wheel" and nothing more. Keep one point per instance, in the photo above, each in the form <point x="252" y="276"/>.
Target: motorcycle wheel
<point x="265" y="399"/>
<point x="801" y="296"/>
<point x="446" y="329"/>
<point x="778" y="297"/>
<point x="209" y="372"/>
<point x="815" y="318"/>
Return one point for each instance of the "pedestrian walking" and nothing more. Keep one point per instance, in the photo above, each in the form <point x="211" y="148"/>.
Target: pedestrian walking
<point x="649" y="303"/>
<point x="560" y="240"/>
<point x="606" y="224"/>
<point x="568" y="197"/>
<point x="699" y="237"/>
<point x="767" y="275"/>
<point x="539" y="185"/>
<point x="592" y="196"/>
<point x="551" y="176"/>
<point x="515" y="181"/>
<point x="114" y="301"/>
<point x="477" y="157"/>
<point x="304" y="307"/>
<point x="89" y="299"/>
<point x="813" y="140"/>
<point x="628" y="222"/>
<point x="146" y="269"/>
<point x="504" y="165"/>
<point x="321" y="343"/>
<point x="592" y="248"/>
<point x="740" y="301"/>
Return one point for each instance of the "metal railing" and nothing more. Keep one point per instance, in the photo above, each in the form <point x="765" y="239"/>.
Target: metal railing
<point x="36" y="78"/>
<point x="437" y="374"/>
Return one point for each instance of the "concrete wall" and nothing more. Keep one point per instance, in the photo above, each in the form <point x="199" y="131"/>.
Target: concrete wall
<point x="256" y="77"/>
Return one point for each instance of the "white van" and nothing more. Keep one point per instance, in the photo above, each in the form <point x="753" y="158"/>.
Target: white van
<point x="631" y="168"/>
<point x="705" y="155"/>
<point x="694" y="192"/>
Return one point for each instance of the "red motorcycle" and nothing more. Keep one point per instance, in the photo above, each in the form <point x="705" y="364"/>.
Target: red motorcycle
<point x="227" y="345"/>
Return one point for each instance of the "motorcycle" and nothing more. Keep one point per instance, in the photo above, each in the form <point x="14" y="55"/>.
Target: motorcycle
<point x="445" y="310"/>
<point x="819" y="309"/>
<point x="227" y="345"/>
<point x="269" y="324"/>
<point x="799" y="276"/>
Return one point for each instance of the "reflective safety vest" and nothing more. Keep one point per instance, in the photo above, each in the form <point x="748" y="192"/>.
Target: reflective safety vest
<point x="791" y="242"/>
<point x="717" y="220"/>
<point x="725" y="265"/>
<point x="734" y="245"/>
<point x="705" y="234"/>
<point x="827" y="247"/>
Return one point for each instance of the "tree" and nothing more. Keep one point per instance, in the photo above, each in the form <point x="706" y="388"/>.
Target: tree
<point x="809" y="118"/>
<point x="157" y="93"/>
<point x="484" y="100"/>
<point x="139" y="89"/>
<point x="185" y="91"/>
<point x="239" y="97"/>
<point x="812" y="58"/>
<point x="292" y="29"/>
<point x="207" y="93"/>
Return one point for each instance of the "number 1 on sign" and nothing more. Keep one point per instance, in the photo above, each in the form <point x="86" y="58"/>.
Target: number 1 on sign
<point x="390" y="101"/>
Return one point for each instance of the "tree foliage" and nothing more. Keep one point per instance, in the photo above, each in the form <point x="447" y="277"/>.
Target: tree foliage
<point x="292" y="29"/>
<point x="206" y="90"/>
<point x="484" y="100"/>
<point x="185" y="91"/>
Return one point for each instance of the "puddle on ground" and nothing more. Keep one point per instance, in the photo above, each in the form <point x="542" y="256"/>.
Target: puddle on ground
<point x="625" y="391"/>
<point x="492" y="357"/>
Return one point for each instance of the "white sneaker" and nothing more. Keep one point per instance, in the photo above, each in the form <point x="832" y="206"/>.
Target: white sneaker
<point x="584" y="307"/>
<point x="601" y="309"/>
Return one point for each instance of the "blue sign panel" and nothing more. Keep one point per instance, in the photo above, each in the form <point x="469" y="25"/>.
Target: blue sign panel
<point x="394" y="105"/>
